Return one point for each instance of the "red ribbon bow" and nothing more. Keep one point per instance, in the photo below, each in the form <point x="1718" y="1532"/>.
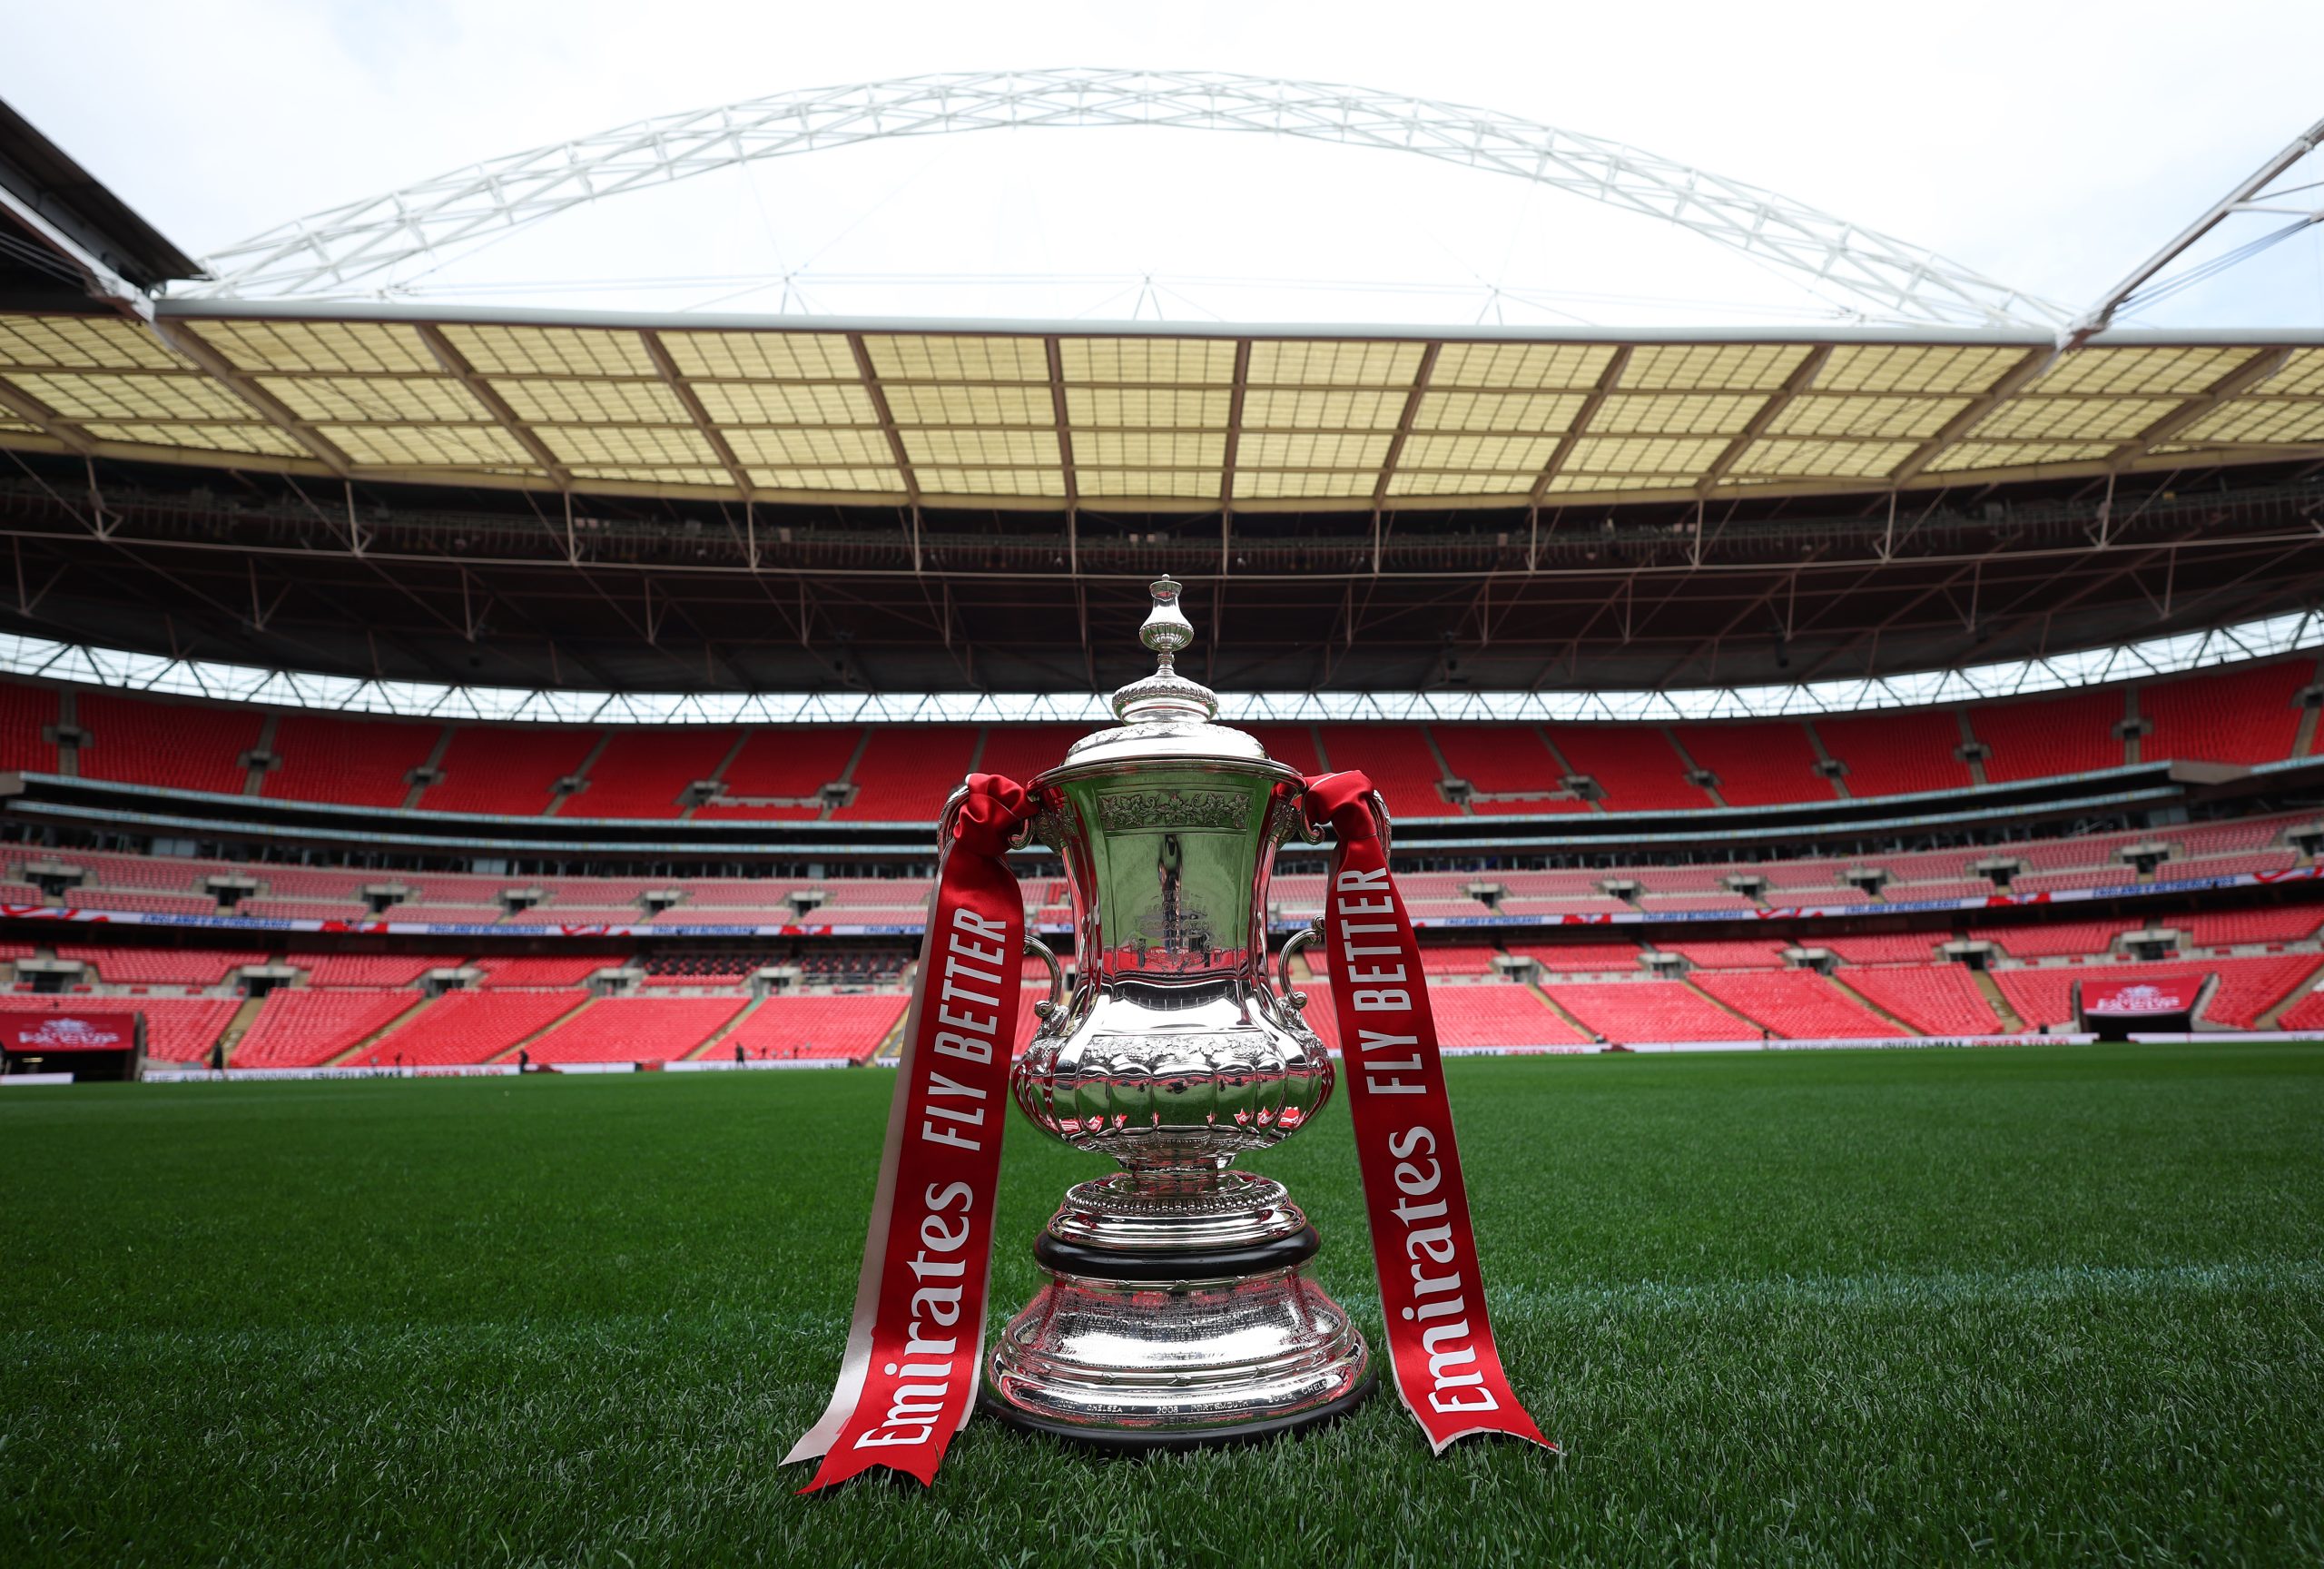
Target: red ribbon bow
<point x="988" y="816"/>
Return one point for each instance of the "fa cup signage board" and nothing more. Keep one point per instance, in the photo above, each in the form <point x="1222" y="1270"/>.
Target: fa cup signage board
<point x="86" y="1045"/>
<point x="2162" y="1005"/>
<point x="31" y="1034"/>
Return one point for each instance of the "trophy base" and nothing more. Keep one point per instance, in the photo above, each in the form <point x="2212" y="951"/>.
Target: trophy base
<point x="1148" y="1440"/>
<point x="1163" y="1348"/>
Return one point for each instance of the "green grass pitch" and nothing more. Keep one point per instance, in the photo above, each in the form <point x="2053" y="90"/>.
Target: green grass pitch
<point x="2029" y="1305"/>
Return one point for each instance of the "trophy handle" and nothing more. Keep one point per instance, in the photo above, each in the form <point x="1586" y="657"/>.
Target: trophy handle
<point x="1048" y="1007"/>
<point x="1380" y="817"/>
<point x="1293" y="997"/>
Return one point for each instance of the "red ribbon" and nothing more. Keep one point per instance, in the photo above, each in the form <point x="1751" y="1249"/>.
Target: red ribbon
<point x="914" y="1350"/>
<point x="1441" y="1344"/>
<point x="915" y="1346"/>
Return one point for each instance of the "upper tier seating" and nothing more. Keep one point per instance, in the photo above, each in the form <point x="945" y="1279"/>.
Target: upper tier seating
<point x="1909" y="752"/>
<point x="905" y="772"/>
<point x="462" y="1027"/>
<point x="635" y="1030"/>
<point x="507" y="770"/>
<point x="783" y="764"/>
<point x="1398" y="758"/>
<point x="1796" y="1004"/>
<point x="26" y="712"/>
<point x="178" y="745"/>
<point x="2069" y="733"/>
<point x="358" y="762"/>
<point x="302" y="1029"/>
<point x="1634" y="765"/>
<point x="902" y="773"/>
<point x="849" y="1027"/>
<point x="2240" y="715"/>
<point x="1629" y="1012"/>
<point x="1506" y="760"/>
<point x="1020" y="751"/>
<point x="1757" y="765"/>
<point x="177" y="1029"/>
<point x="1934" y="999"/>
<point x="1290" y="744"/>
<point x="644" y="772"/>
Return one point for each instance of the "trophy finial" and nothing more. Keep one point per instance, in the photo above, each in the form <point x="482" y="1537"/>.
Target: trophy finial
<point x="1165" y="695"/>
<point x="1166" y="630"/>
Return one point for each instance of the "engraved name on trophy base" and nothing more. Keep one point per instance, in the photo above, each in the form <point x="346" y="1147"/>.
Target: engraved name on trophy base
<point x="1179" y="1308"/>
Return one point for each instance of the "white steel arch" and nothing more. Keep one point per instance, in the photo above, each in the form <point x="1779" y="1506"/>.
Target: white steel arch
<point x="352" y="249"/>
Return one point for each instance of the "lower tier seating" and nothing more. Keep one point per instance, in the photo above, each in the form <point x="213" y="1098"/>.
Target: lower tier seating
<point x="1934" y="999"/>
<point x="1627" y="1012"/>
<point x="177" y="1029"/>
<point x="849" y="1027"/>
<point x="635" y="1030"/>
<point x="302" y="1028"/>
<point x="469" y="1027"/>
<point x="1496" y="1014"/>
<point x="1796" y="1004"/>
<point x="550" y="970"/>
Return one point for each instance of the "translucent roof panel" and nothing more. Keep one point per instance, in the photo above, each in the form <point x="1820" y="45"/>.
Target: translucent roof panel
<point x="1301" y="415"/>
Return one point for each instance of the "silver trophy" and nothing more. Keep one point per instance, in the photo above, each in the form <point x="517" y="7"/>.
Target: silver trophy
<point x="1180" y="1309"/>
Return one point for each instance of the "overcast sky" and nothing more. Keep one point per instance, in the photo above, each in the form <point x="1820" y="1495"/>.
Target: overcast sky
<point x="2047" y="145"/>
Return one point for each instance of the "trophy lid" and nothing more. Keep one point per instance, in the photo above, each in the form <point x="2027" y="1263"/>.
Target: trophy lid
<point x="1165" y="716"/>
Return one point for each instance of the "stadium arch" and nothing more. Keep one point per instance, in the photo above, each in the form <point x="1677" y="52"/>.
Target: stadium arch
<point x="330" y="254"/>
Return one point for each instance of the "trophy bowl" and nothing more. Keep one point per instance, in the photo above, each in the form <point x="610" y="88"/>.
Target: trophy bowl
<point x="1179" y="1308"/>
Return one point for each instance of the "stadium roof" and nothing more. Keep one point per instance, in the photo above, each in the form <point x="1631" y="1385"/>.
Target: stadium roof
<point x="64" y="234"/>
<point x="544" y="500"/>
<point x="1137" y="417"/>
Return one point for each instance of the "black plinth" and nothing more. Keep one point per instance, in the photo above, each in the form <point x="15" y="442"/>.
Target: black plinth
<point x="1160" y="1268"/>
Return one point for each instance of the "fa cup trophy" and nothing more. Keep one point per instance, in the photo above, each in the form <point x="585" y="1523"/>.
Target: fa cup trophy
<point x="1179" y="1308"/>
